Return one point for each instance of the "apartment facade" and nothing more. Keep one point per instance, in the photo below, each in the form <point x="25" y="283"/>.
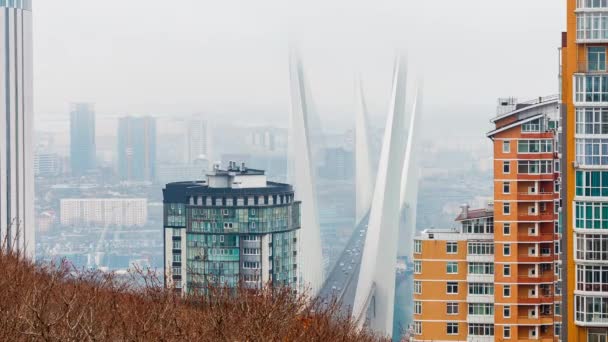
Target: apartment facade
<point x="453" y="280"/>
<point x="584" y="81"/>
<point x="527" y="238"/>
<point x="510" y="289"/>
<point x="233" y="227"/>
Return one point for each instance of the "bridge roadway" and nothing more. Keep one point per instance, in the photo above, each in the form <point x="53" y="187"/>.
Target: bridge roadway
<point x="341" y="282"/>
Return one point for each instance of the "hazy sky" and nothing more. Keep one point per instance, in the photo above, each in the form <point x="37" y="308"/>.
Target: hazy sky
<point x="230" y="56"/>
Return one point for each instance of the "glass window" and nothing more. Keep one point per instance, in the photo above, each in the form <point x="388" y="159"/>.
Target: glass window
<point x="506" y="270"/>
<point x="506" y="311"/>
<point x="591" y="88"/>
<point x="596" y="58"/>
<point x="591" y="215"/>
<point x="506" y="188"/>
<point x="417" y="266"/>
<point x="506" y="167"/>
<point x="506" y="249"/>
<point x="506" y="291"/>
<point x="506" y="229"/>
<point x="486" y="309"/>
<point x="417" y="287"/>
<point x="452" y="247"/>
<point x="592" y="26"/>
<point x="417" y="307"/>
<point x="452" y="328"/>
<point x="506" y="332"/>
<point x="417" y="246"/>
<point x="452" y="268"/>
<point x="506" y="146"/>
<point x="506" y="208"/>
<point x="452" y="308"/>
<point x="452" y="288"/>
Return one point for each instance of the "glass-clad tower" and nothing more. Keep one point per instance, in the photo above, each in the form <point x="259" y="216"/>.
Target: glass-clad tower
<point x="16" y="126"/>
<point x="234" y="226"/>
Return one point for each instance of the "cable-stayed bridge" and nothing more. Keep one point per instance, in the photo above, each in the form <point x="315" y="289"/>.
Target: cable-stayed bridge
<point x="363" y="278"/>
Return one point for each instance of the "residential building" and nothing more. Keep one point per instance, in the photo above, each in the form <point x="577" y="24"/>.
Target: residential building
<point x="137" y="149"/>
<point x="233" y="226"/>
<point x="339" y="164"/>
<point x="82" y="138"/>
<point x="584" y="81"/>
<point x="453" y="280"/>
<point x="527" y="237"/>
<point x="101" y="212"/>
<point x="16" y="141"/>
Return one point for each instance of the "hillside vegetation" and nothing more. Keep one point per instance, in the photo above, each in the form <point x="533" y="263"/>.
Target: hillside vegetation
<point x="55" y="303"/>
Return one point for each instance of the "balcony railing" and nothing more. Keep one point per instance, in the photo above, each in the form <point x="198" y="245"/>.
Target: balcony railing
<point x="536" y="300"/>
<point x="541" y="279"/>
<point x="592" y="67"/>
<point x="539" y="196"/>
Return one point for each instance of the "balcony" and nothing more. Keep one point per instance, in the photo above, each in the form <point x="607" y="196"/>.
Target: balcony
<point x="538" y="320"/>
<point x="472" y="298"/>
<point x="535" y="197"/>
<point x="536" y="300"/>
<point x="480" y="258"/>
<point x="524" y="257"/>
<point x="548" y="238"/>
<point x="533" y="218"/>
<point x="548" y="277"/>
<point x="590" y="88"/>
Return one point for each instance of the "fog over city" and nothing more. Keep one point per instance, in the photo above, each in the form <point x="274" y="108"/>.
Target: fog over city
<point x="229" y="58"/>
<point x="141" y="103"/>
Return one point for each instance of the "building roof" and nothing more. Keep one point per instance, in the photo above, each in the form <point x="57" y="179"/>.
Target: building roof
<point x="180" y="192"/>
<point x="475" y="214"/>
<point x="523" y="106"/>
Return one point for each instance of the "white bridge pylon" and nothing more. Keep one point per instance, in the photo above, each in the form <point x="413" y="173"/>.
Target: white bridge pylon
<point x="375" y="292"/>
<point x="301" y="167"/>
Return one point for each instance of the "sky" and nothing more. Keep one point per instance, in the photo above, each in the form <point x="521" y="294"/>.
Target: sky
<point x="228" y="58"/>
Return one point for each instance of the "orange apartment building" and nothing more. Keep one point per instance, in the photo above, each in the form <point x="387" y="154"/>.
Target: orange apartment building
<point x="453" y="280"/>
<point x="526" y="300"/>
<point x="584" y="81"/>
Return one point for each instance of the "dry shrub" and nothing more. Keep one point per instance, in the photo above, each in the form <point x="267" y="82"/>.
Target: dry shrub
<point x="55" y="303"/>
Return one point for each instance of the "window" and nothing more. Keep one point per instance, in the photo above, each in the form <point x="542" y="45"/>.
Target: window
<point x="251" y="238"/>
<point x="485" y="309"/>
<point x="221" y="238"/>
<point x="591" y="183"/>
<point x="177" y="258"/>
<point x="417" y="307"/>
<point x="591" y="247"/>
<point x="484" y="289"/>
<point x="506" y="188"/>
<point x="591" y="26"/>
<point x="176" y="271"/>
<point x="452" y="287"/>
<point x="535" y="146"/>
<point x="506" y="229"/>
<point x="531" y="126"/>
<point x="452" y="247"/>
<point x="481" y="248"/>
<point x="177" y="244"/>
<point x="417" y="246"/>
<point x="506" y="249"/>
<point x="592" y="151"/>
<point x="591" y="278"/>
<point x="591" y="120"/>
<point x="591" y="88"/>
<point x="506" y="146"/>
<point x="251" y="251"/>
<point x="506" y="167"/>
<point x="506" y="291"/>
<point x="417" y="287"/>
<point x="506" y="270"/>
<point x="506" y="332"/>
<point x="591" y="4"/>
<point x="417" y="328"/>
<point x="591" y="215"/>
<point x="596" y="57"/>
<point x="506" y="208"/>
<point x="417" y="266"/>
<point x="478" y="226"/>
<point x="506" y="311"/>
<point x="535" y="167"/>
<point x="452" y="328"/>
<point x="478" y="329"/>
<point x="452" y="268"/>
<point x="481" y="268"/>
<point x="452" y="308"/>
<point x="252" y="265"/>
<point x="177" y="232"/>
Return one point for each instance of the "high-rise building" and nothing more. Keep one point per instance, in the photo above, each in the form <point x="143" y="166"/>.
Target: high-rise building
<point x="454" y="280"/>
<point x="137" y="149"/>
<point x="16" y="127"/>
<point x="234" y="226"/>
<point x="199" y="139"/>
<point x="82" y="138"/>
<point x="526" y="199"/>
<point x="125" y="212"/>
<point x="584" y="80"/>
<point x="524" y="265"/>
<point x="46" y="164"/>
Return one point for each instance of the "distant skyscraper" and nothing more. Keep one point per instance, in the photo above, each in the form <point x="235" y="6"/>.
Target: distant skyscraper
<point x="137" y="149"/>
<point x="16" y="127"/>
<point x="199" y="139"/>
<point x="82" y="138"/>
